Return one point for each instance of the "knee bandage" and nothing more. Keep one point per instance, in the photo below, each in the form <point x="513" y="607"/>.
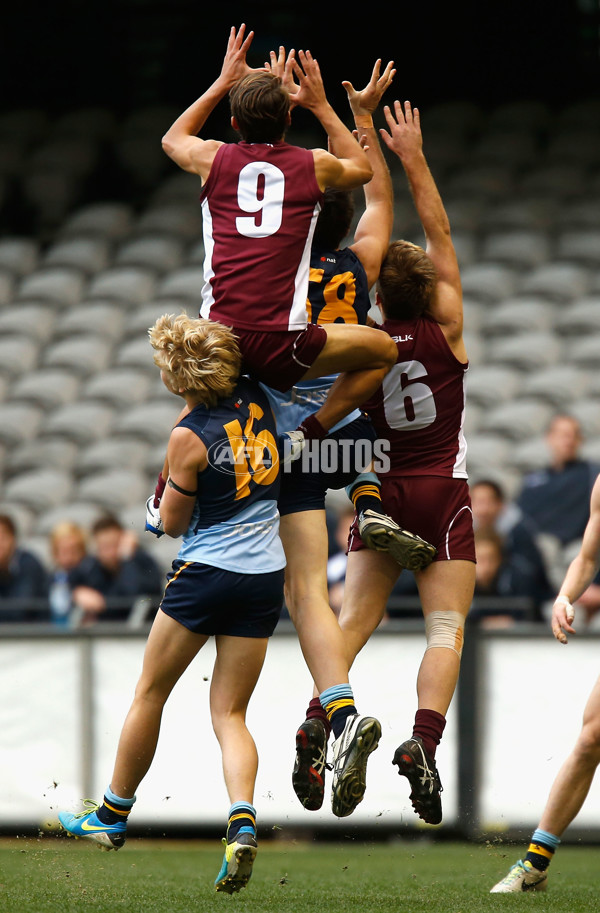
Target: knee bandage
<point x="445" y="629"/>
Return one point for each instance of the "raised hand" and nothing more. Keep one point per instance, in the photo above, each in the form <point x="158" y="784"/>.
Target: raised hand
<point x="234" y="63"/>
<point x="365" y="101"/>
<point x="404" y="136"/>
<point x="310" y="91"/>
<point x="281" y="65"/>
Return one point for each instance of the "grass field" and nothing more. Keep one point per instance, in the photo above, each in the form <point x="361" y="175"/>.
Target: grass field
<point x="70" y="876"/>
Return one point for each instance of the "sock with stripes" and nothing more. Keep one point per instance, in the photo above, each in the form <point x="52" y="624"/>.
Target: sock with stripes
<point x="541" y="849"/>
<point x="365" y="493"/>
<point x="429" y="727"/>
<point x="242" y="820"/>
<point x="338" y="704"/>
<point x="114" y="808"/>
<point x="312" y="429"/>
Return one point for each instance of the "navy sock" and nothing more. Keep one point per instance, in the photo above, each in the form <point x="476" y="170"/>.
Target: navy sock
<point x="338" y="704"/>
<point x="114" y="808"/>
<point x="242" y="818"/>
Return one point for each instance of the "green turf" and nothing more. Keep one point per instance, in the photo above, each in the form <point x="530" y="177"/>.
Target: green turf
<point x="59" y="875"/>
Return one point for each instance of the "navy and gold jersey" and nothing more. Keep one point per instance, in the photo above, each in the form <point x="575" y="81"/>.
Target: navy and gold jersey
<point x="235" y="522"/>
<point x="337" y="290"/>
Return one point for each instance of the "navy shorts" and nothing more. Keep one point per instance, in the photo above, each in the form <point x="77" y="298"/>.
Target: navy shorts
<point x="210" y="600"/>
<point x="332" y="463"/>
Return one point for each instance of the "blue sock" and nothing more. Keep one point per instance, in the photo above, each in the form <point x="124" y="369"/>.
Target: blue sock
<point x="242" y="819"/>
<point x="338" y="704"/>
<point x="542" y="847"/>
<point x="114" y="808"/>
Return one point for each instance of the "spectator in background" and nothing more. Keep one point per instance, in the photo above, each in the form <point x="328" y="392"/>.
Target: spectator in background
<point x="556" y="499"/>
<point x="106" y="584"/>
<point x="522" y="559"/>
<point x="23" y="579"/>
<point x="497" y="576"/>
<point x="68" y="548"/>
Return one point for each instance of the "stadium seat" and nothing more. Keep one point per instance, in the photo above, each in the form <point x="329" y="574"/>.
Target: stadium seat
<point x="580" y="147"/>
<point x="454" y="116"/>
<point x="139" y="321"/>
<point x="93" y="121"/>
<point x="23" y="517"/>
<point x="518" y="420"/>
<point x="517" y="315"/>
<point x="7" y="287"/>
<point x="489" y="282"/>
<point x="150" y="120"/>
<point x="488" y="385"/>
<point x="90" y="255"/>
<point x="48" y="388"/>
<point x="113" y="453"/>
<point x="114" y="489"/>
<point x="485" y="451"/>
<point x="581" y="246"/>
<point x="579" y="114"/>
<point x="18" y="354"/>
<point x="519" y="248"/>
<point x="12" y="153"/>
<point x="464" y="214"/>
<point x="63" y="285"/>
<point x="474" y="313"/>
<point x="558" y="281"/>
<point x="182" y="220"/>
<point x="32" y="319"/>
<point x="156" y="252"/>
<point x="487" y="181"/>
<point x="27" y="123"/>
<point x="196" y="253"/>
<point x="83" y="513"/>
<point x="81" y="422"/>
<point x="466" y="247"/>
<point x="19" y="255"/>
<point x="181" y="187"/>
<point x="521" y="213"/>
<point x="141" y="158"/>
<point x="584" y="350"/>
<point x="84" y="354"/>
<point x="510" y="148"/>
<point x="562" y="180"/>
<point x="19" y="422"/>
<point x="130" y="285"/>
<point x="580" y="214"/>
<point x="529" y="115"/>
<point x="119" y="387"/>
<point x="527" y="351"/>
<point x="183" y="283"/>
<point x="587" y="411"/>
<point x="50" y="194"/>
<point x="474" y="346"/>
<point x="528" y="455"/>
<point x="56" y="454"/>
<point x="106" y="318"/>
<point x="110" y="220"/>
<point x="76" y="156"/>
<point x="39" y="489"/>
<point x="558" y="384"/>
<point x="579" y="318"/>
<point x="151" y="421"/>
<point x="136" y="353"/>
<point x="590" y="449"/>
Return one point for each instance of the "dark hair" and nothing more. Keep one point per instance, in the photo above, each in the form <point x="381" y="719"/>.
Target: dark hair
<point x="335" y="218"/>
<point x="104" y="523"/>
<point x="406" y="282"/>
<point x="490" y="483"/>
<point x="260" y="104"/>
<point x="9" y="524"/>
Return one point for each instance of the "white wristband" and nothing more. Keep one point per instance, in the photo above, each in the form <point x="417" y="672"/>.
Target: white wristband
<point x="564" y="600"/>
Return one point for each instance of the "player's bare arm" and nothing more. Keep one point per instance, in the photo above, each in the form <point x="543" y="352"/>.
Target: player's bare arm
<point x="405" y="139"/>
<point x="186" y="456"/>
<point x="349" y="167"/>
<point x="181" y="141"/>
<point x="373" y="232"/>
<point x="580" y="572"/>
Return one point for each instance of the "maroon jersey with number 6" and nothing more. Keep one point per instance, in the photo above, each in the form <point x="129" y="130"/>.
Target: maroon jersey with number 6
<point x="419" y="407"/>
<point x="259" y="208"/>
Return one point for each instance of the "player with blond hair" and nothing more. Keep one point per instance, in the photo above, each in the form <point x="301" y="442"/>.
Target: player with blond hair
<point x="226" y="582"/>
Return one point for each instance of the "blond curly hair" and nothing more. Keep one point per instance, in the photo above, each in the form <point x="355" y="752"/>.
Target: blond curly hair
<point x="196" y="356"/>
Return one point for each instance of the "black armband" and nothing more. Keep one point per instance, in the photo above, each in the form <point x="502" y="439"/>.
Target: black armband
<point x="182" y="491"/>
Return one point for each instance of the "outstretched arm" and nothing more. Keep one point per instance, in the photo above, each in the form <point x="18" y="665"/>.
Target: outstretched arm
<point x="181" y="142"/>
<point x="374" y="229"/>
<point x="404" y="138"/>
<point x="580" y="573"/>
<point x="349" y="167"/>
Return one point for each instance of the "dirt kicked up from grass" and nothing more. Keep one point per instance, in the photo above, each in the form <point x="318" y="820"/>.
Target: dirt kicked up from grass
<point x="64" y="875"/>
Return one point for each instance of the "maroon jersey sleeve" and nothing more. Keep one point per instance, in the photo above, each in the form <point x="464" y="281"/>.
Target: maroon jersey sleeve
<point x="259" y="206"/>
<point x="419" y="408"/>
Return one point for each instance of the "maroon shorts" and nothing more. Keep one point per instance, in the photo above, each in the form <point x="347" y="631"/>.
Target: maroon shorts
<point x="435" y="508"/>
<point x="280" y="358"/>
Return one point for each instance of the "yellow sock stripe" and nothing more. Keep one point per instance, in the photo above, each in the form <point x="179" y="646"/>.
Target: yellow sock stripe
<point x="540" y="850"/>
<point x="367" y="489"/>
<point x="337" y="705"/>
<point x="117" y="811"/>
<point x="243" y="815"/>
